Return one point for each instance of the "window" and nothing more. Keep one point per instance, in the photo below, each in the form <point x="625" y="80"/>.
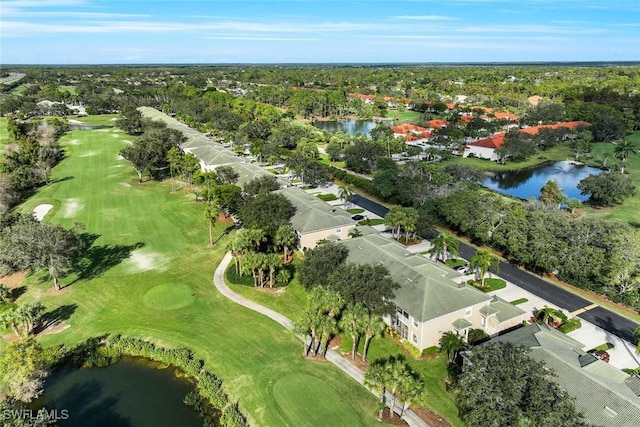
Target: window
<point x="414" y="338"/>
<point x="415" y="323"/>
<point x="338" y="230"/>
<point x="468" y="311"/>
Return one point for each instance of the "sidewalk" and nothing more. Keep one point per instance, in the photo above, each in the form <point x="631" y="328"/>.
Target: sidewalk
<point x="218" y="280"/>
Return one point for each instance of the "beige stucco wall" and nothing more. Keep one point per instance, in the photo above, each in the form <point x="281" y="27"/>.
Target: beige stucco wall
<point x="309" y="240"/>
<point x="482" y="152"/>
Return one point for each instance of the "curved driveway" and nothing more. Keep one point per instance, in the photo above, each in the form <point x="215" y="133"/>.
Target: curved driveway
<point x="218" y="280"/>
<point x="606" y="319"/>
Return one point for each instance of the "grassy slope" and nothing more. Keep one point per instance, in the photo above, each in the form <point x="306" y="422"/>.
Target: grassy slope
<point x="403" y="116"/>
<point x="627" y="211"/>
<point x="254" y="356"/>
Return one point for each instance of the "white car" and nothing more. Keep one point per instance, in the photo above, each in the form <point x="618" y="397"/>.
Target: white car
<point x="464" y="269"/>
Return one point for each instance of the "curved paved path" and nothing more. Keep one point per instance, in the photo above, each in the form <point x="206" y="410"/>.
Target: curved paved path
<point x="218" y="280"/>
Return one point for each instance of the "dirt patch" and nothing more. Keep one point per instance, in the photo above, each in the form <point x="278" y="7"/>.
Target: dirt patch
<point x="51" y="329"/>
<point x="269" y="290"/>
<point x="430" y="417"/>
<point x="225" y="219"/>
<point x="53" y="291"/>
<point x="395" y="421"/>
<point x="13" y="280"/>
<point x="357" y="362"/>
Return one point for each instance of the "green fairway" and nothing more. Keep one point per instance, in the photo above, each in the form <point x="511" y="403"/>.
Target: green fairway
<point x="403" y="116"/>
<point x="4" y="135"/>
<point x="627" y="211"/>
<point x="149" y="275"/>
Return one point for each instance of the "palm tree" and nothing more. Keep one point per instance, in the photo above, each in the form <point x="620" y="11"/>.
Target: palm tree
<point x="30" y="314"/>
<point x="549" y="315"/>
<point x="352" y="323"/>
<point x="373" y="326"/>
<point x="397" y="373"/>
<point x="394" y="219"/>
<point x="12" y="319"/>
<point x="328" y="328"/>
<point x="443" y="245"/>
<point x="257" y="236"/>
<point x="605" y="157"/>
<point x="307" y="326"/>
<point x="481" y="261"/>
<point x="345" y="193"/>
<point x="5" y="293"/>
<point x="452" y="343"/>
<point x="410" y="390"/>
<point x="623" y="149"/>
<point x="376" y="378"/>
<point x="273" y="262"/>
<point x="285" y="238"/>
<point x="211" y="214"/>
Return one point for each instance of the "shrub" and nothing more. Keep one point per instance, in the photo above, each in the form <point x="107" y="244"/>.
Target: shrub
<point x="232" y="417"/>
<point x="477" y="336"/>
<point x="430" y="351"/>
<point x="570" y="325"/>
<point x="413" y="350"/>
<point x="519" y="301"/>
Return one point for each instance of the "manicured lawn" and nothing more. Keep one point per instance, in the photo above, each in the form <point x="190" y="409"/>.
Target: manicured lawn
<point x="102" y="119"/>
<point x="151" y="277"/>
<point x="403" y="116"/>
<point x="490" y="285"/>
<point x="4" y="135"/>
<point x="355" y="211"/>
<point x="627" y="211"/>
<point x="70" y="89"/>
<point x="327" y="197"/>
<point x="453" y="263"/>
<point x="291" y="302"/>
<point x="519" y="301"/>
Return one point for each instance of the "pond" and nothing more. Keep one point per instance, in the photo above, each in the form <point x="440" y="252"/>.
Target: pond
<point x="351" y="126"/>
<point x="526" y="183"/>
<point x="130" y="393"/>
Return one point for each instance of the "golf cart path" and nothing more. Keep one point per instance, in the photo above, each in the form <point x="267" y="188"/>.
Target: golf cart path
<point x="218" y="280"/>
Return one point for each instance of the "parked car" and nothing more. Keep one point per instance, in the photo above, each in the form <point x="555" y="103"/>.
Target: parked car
<point x="601" y="354"/>
<point x="357" y="217"/>
<point x="464" y="269"/>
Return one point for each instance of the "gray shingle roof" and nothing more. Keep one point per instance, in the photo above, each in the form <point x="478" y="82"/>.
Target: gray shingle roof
<point x="313" y="214"/>
<point x="427" y="290"/>
<point x="602" y="392"/>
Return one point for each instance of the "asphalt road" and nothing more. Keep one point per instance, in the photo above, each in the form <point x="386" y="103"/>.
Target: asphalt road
<point x="609" y="321"/>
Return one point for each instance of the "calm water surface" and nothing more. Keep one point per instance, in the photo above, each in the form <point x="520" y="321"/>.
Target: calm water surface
<point x="527" y="183"/>
<point x="350" y="126"/>
<point x="130" y="393"/>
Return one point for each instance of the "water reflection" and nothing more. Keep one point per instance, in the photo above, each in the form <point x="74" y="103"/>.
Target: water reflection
<point x="350" y="126"/>
<point x="526" y="183"/>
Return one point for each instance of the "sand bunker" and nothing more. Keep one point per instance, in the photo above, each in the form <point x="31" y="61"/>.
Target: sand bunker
<point x="74" y="142"/>
<point x="75" y="122"/>
<point x="115" y="135"/>
<point x="141" y="260"/>
<point x="41" y="210"/>
<point x="72" y="207"/>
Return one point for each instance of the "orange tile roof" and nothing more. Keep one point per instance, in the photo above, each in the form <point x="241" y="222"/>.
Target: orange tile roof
<point x="405" y="128"/>
<point x="501" y="115"/>
<point x="466" y="119"/>
<point x="437" y="123"/>
<point x="494" y="141"/>
<point x="450" y="105"/>
<point x="568" y="125"/>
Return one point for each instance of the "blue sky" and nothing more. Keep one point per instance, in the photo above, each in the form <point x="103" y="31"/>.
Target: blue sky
<point x="307" y="31"/>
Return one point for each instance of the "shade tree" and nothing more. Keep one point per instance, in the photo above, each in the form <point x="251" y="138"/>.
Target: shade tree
<point x="482" y="261"/>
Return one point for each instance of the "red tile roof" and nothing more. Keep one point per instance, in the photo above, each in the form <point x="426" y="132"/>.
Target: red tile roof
<point x="501" y="115"/>
<point x="494" y="141"/>
<point x="568" y="125"/>
<point x="437" y="123"/>
<point x="406" y="128"/>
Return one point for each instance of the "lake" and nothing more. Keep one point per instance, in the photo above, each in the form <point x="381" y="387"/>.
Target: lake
<point x="351" y="126"/>
<point x="130" y="393"/>
<point x="526" y="183"/>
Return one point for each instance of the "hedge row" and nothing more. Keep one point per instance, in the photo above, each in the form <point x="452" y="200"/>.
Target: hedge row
<point x="354" y="180"/>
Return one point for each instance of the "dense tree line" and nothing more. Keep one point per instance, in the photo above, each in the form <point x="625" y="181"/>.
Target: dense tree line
<point x="589" y="253"/>
<point x="30" y="155"/>
<point x="520" y="392"/>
